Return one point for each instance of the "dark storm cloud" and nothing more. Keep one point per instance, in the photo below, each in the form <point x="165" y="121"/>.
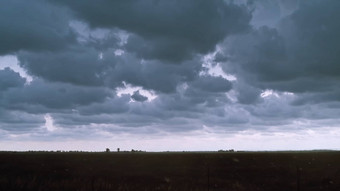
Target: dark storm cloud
<point x="51" y="95"/>
<point x="162" y="112"/>
<point x="138" y="97"/>
<point x="109" y="106"/>
<point x="314" y="38"/>
<point x="153" y="75"/>
<point x="171" y="30"/>
<point x="9" y="79"/>
<point x="319" y="97"/>
<point x="247" y="94"/>
<point x="262" y="55"/>
<point x="220" y="58"/>
<point x="212" y="84"/>
<point x="207" y="90"/>
<point x="275" y="108"/>
<point x="83" y="65"/>
<point x="18" y="121"/>
<point x="301" y="55"/>
<point x="32" y="25"/>
<point x="81" y="53"/>
<point x="77" y="65"/>
<point x="166" y="30"/>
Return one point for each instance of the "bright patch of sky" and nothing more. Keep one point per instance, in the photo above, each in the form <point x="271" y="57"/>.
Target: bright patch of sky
<point x="11" y="62"/>
<point x="249" y="140"/>
<point x="215" y="69"/>
<point x="130" y="89"/>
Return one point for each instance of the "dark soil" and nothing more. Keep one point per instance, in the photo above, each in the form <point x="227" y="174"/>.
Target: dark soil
<point x="274" y="171"/>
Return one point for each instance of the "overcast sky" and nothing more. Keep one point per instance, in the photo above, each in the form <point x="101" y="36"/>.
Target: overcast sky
<point x="169" y="74"/>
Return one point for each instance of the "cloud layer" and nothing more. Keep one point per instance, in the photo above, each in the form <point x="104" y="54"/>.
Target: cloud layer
<point x="158" y="66"/>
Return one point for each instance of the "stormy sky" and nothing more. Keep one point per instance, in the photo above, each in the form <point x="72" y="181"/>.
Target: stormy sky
<point x="169" y="74"/>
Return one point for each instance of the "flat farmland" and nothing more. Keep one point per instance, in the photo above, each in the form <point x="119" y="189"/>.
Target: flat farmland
<point x="140" y="171"/>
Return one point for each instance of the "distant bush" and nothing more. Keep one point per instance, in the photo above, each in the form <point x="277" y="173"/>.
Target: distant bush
<point x="230" y="150"/>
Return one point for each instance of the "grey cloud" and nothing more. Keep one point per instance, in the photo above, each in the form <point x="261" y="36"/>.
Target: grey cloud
<point x="212" y="84"/>
<point x="247" y="94"/>
<point x="169" y="30"/>
<point x="162" y="48"/>
<point x="149" y="117"/>
<point x="83" y="66"/>
<point x="138" y="97"/>
<point x="109" y="106"/>
<point x="314" y="38"/>
<point x="136" y="124"/>
<point x="19" y="121"/>
<point x="207" y="90"/>
<point x="262" y="55"/>
<point x="220" y="57"/>
<point x="99" y="38"/>
<point x="15" y="117"/>
<point x="265" y="12"/>
<point x="317" y="97"/>
<point x="52" y="95"/>
<point x="190" y="103"/>
<point x="154" y="75"/>
<point x="299" y="56"/>
<point x="76" y="71"/>
<point x="40" y="27"/>
<point x="330" y="111"/>
<point x="275" y="109"/>
<point x="9" y="79"/>
<point x="78" y="65"/>
<point x="269" y="12"/>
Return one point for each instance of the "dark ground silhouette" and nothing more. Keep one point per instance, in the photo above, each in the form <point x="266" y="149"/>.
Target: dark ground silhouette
<point x="170" y="171"/>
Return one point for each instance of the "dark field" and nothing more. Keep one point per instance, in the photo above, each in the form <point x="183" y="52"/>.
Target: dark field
<point x="272" y="171"/>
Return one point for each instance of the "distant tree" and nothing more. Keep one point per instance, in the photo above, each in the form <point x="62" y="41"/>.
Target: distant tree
<point x="118" y="150"/>
<point x="107" y="150"/>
